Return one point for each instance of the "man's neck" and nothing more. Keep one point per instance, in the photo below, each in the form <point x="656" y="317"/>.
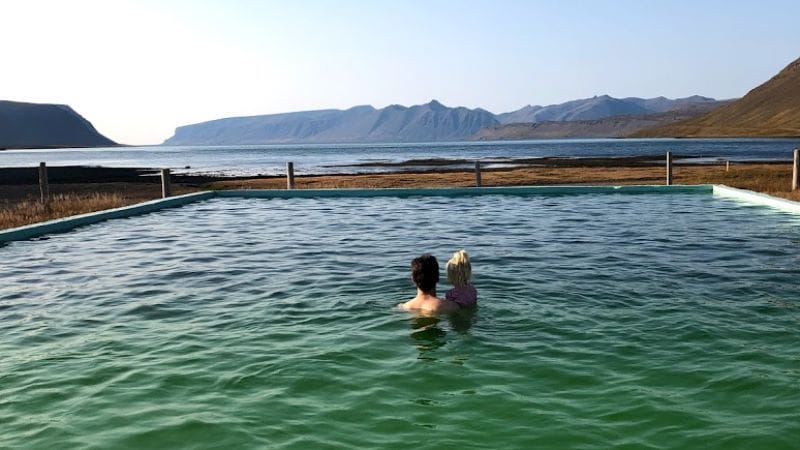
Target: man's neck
<point x="421" y="293"/>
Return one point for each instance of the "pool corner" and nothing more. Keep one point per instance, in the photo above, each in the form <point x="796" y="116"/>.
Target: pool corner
<point x="756" y="198"/>
<point x="68" y="223"/>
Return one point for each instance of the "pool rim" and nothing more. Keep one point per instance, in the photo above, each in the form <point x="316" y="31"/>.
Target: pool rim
<point x="67" y="224"/>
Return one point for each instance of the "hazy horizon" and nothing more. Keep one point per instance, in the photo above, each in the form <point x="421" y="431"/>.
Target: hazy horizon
<point x="138" y="69"/>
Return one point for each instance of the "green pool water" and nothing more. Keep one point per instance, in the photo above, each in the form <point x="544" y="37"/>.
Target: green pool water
<point x="605" y="321"/>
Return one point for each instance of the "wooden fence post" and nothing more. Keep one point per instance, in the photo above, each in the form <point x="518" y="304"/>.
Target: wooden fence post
<point x="796" y="170"/>
<point x="289" y="175"/>
<point x="727" y="166"/>
<point x="44" y="184"/>
<point x="669" y="168"/>
<point x="166" y="184"/>
<point x="477" y="173"/>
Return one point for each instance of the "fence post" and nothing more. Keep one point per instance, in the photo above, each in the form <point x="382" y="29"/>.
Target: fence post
<point x="44" y="185"/>
<point x="289" y="175"/>
<point x="669" y="168"/>
<point x="727" y="166"/>
<point x="166" y="184"/>
<point x="477" y="173"/>
<point x="796" y="170"/>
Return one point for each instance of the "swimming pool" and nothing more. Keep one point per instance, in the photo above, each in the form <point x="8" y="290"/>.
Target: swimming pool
<point x="606" y="321"/>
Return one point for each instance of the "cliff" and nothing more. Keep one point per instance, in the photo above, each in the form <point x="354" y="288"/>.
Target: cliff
<point x="421" y="123"/>
<point x="33" y="125"/>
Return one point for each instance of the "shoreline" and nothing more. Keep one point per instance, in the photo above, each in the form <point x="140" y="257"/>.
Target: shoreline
<point x="475" y="140"/>
<point x="101" y="174"/>
<point x="85" y="189"/>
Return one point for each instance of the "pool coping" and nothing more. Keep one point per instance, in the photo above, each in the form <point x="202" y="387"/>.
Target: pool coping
<point x="68" y="223"/>
<point x="757" y="198"/>
<point x="466" y="191"/>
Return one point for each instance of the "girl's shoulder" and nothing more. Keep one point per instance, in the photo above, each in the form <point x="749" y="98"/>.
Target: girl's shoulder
<point x="465" y="295"/>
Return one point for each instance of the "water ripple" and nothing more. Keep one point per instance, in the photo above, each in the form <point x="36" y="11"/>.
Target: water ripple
<point x="605" y="322"/>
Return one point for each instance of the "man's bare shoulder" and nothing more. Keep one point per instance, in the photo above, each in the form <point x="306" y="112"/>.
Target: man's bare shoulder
<point x="429" y="306"/>
<point x="405" y="306"/>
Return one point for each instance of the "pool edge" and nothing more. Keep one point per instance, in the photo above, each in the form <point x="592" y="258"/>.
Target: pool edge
<point x="756" y="198"/>
<point x="68" y="223"/>
<point x="466" y="191"/>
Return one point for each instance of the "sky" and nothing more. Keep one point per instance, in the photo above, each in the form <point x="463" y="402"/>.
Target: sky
<point x="138" y="69"/>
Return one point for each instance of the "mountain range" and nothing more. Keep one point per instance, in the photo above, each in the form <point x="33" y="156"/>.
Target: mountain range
<point x="599" y="107"/>
<point x="429" y="122"/>
<point x="36" y="125"/>
<point x="771" y="109"/>
<point x="607" y="127"/>
<point x="420" y="123"/>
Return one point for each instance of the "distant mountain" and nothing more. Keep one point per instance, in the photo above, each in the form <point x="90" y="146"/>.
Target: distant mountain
<point x="436" y="122"/>
<point x="33" y="125"/>
<point x="663" y="104"/>
<point x="607" y="127"/>
<point x="599" y="107"/>
<point x="771" y="109"/>
<point x="429" y="122"/>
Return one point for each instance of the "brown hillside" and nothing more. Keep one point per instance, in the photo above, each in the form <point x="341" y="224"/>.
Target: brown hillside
<point x="772" y="109"/>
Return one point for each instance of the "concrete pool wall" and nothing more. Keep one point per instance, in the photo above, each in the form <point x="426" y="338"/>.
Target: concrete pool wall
<point x="69" y="223"/>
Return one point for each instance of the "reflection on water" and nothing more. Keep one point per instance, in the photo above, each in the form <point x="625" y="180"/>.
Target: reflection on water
<point x="429" y="336"/>
<point x="463" y="320"/>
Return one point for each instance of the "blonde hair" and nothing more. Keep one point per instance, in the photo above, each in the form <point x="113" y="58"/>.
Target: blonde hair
<point x="459" y="270"/>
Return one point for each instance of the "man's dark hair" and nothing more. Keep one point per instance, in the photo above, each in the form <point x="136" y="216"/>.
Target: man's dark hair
<point x="425" y="272"/>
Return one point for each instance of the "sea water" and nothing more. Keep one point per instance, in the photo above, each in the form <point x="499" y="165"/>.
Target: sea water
<point x="363" y="158"/>
<point x="605" y="321"/>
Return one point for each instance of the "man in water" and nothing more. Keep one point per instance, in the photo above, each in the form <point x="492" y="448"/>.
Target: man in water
<point x="425" y="274"/>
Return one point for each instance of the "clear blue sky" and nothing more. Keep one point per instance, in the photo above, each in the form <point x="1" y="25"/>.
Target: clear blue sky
<point x="138" y="69"/>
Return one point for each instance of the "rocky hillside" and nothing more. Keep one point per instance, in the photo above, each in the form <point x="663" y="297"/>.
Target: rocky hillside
<point x="32" y="125"/>
<point x="429" y="122"/>
<point x="772" y="109"/>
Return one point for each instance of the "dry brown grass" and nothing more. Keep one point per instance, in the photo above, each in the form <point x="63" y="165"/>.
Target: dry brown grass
<point x="62" y="205"/>
<point x="773" y="179"/>
<point x="19" y="204"/>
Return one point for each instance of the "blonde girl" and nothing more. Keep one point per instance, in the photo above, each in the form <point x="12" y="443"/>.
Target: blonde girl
<point x="459" y="274"/>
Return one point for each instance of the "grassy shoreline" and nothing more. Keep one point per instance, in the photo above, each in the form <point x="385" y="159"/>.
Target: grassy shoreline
<point x="20" y="205"/>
